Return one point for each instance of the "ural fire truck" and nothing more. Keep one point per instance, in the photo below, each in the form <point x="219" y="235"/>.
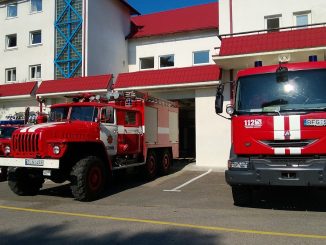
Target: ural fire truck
<point x="86" y="140"/>
<point x="278" y="116"/>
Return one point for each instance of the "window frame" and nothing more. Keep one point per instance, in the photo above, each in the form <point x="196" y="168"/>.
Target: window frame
<point x="140" y="63"/>
<point x="197" y="52"/>
<point x="166" y="55"/>
<point x="7" y="70"/>
<point x="271" y="17"/>
<point x="31" y="6"/>
<point x="8" y="37"/>
<point x="30" y="72"/>
<point x="12" y="4"/>
<point x="302" y="13"/>
<point x="31" y="34"/>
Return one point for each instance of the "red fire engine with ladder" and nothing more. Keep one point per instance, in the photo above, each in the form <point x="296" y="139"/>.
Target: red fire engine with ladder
<point x="278" y="116"/>
<point x="88" y="139"/>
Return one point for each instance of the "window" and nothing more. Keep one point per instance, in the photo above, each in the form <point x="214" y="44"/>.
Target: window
<point x="36" y="5"/>
<point x="11" y="75"/>
<point x="11" y="41"/>
<point x="35" y="72"/>
<point x="302" y="18"/>
<point x="273" y="23"/>
<point x="167" y="61"/>
<point x="130" y="118"/>
<point x="35" y="37"/>
<point x="147" y="63"/>
<point x="201" y="57"/>
<point x="12" y="10"/>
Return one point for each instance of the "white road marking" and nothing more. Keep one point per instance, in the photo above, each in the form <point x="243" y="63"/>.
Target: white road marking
<point x="177" y="189"/>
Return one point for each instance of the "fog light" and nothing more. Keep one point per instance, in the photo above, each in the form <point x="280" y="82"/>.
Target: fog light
<point x="7" y="150"/>
<point x="56" y="150"/>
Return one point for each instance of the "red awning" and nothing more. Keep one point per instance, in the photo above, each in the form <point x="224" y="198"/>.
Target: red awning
<point x="200" y="17"/>
<point x="17" y="90"/>
<point x="274" y="41"/>
<point x="168" y="77"/>
<point x="96" y="84"/>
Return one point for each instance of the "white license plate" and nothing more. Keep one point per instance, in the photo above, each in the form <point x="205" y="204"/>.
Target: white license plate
<point x="34" y="162"/>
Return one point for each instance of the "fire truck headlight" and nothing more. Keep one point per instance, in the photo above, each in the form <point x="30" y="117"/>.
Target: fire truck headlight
<point x="56" y="150"/>
<point x="7" y="150"/>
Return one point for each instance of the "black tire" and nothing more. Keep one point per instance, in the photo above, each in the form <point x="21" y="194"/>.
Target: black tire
<point x="150" y="168"/>
<point x="24" y="182"/>
<point x="88" y="179"/>
<point x="165" y="162"/>
<point x="242" y="195"/>
<point x="3" y="174"/>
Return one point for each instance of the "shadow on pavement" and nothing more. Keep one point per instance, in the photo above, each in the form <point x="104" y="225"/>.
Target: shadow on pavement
<point x="120" y="181"/>
<point x="57" y="234"/>
<point x="291" y="198"/>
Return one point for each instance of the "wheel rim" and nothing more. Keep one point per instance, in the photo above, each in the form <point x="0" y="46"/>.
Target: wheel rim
<point x="166" y="162"/>
<point x="151" y="166"/>
<point x="95" y="178"/>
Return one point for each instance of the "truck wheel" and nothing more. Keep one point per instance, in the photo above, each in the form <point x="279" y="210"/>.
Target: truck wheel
<point x="3" y="174"/>
<point x="150" y="168"/>
<point x="88" y="178"/>
<point x="242" y="195"/>
<point x="166" y="162"/>
<point x="24" y="182"/>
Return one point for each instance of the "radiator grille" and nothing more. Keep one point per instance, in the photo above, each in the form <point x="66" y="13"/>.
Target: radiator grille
<point x="26" y="143"/>
<point x="287" y="143"/>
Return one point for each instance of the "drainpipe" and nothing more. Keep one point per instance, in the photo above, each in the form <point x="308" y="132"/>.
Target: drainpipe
<point x="231" y="16"/>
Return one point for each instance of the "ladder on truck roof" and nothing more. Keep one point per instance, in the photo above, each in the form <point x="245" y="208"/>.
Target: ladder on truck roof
<point x="134" y="95"/>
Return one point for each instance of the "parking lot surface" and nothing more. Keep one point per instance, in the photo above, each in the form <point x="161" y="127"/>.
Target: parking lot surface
<point x="189" y="206"/>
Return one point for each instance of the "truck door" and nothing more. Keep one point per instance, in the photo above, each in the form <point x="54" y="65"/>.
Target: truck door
<point x="132" y="131"/>
<point x="109" y="130"/>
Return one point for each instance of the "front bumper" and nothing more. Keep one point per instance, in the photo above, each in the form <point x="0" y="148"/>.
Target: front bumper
<point x="299" y="172"/>
<point x="30" y="163"/>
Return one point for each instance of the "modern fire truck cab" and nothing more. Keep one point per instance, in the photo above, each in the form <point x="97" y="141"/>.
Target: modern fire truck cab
<point x="278" y="116"/>
<point x="84" y="141"/>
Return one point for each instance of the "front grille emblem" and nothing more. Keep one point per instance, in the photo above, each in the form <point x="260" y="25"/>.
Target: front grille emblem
<point x="287" y="134"/>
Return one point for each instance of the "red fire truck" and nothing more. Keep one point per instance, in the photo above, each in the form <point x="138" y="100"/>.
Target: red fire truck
<point x="278" y="116"/>
<point x="86" y="140"/>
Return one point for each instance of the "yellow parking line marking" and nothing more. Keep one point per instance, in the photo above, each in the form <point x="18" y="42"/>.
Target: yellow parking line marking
<point x="155" y="222"/>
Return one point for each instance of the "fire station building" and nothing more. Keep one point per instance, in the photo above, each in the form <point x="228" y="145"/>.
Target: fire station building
<point x="180" y="55"/>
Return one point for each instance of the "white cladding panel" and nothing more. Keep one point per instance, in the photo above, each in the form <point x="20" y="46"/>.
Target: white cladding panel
<point x="250" y="15"/>
<point x="25" y="54"/>
<point x="181" y="46"/>
<point x="108" y="25"/>
<point x="173" y="127"/>
<point x="151" y="125"/>
<point x="213" y="134"/>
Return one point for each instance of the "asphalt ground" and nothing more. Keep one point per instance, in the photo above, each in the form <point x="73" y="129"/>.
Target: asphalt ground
<point x="189" y="206"/>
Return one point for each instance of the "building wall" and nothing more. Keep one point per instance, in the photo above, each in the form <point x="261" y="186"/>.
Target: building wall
<point x="108" y="24"/>
<point x="25" y="55"/>
<point x="250" y="15"/>
<point x="181" y="45"/>
<point x="213" y="134"/>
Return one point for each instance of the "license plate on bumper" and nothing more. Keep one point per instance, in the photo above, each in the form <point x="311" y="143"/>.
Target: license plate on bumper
<point x="30" y="163"/>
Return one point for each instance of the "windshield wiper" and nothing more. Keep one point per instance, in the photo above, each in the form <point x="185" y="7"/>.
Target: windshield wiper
<point x="275" y="102"/>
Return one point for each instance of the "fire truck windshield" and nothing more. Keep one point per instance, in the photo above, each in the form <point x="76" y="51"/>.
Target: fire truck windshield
<point x="302" y="91"/>
<point x="80" y="113"/>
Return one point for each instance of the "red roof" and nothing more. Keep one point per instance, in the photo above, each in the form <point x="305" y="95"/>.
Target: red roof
<point x="274" y="41"/>
<point x="78" y="84"/>
<point x="17" y="89"/>
<point x="172" y="76"/>
<point x="200" y="17"/>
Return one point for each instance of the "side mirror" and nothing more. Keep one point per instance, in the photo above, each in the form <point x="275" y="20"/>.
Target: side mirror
<point x="219" y="99"/>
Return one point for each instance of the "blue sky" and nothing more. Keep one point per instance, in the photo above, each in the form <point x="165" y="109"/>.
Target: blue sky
<point x="151" y="6"/>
